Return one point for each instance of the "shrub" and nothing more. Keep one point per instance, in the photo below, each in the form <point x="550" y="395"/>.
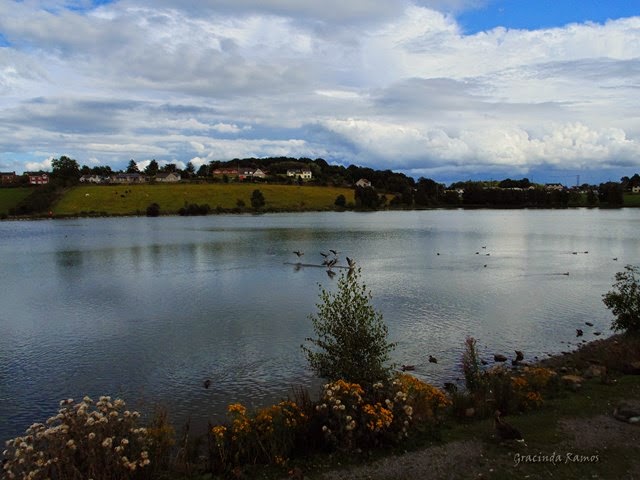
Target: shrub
<point x="471" y="365"/>
<point x="268" y="436"/>
<point x="351" y="341"/>
<point x="624" y="301"/>
<point x="153" y="210"/>
<point x="257" y="199"/>
<point x="84" y="440"/>
<point x="341" y="201"/>
<point x="193" y="209"/>
<point x="351" y="417"/>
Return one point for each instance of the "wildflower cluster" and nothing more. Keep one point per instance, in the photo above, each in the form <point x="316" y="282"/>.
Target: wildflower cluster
<point x="385" y="413"/>
<point x="519" y="391"/>
<point x="267" y="436"/>
<point x="100" y="440"/>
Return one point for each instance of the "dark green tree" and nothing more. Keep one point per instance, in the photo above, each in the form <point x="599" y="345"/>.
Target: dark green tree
<point x="169" y="168"/>
<point x="65" y="170"/>
<point x="340" y="201"/>
<point x="203" y="171"/>
<point x="153" y="210"/>
<point x="257" y="199"/>
<point x="132" y="167"/>
<point x="624" y="300"/>
<point x="189" y="170"/>
<point x="152" y="168"/>
<point x="366" y="198"/>
<point x="351" y="337"/>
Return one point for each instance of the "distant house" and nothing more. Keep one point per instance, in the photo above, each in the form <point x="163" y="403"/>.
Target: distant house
<point x="363" y="182"/>
<point x="304" y="174"/>
<point x="170" y="177"/>
<point x="229" y="172"/>
<point x="93" y="179"/>
<point x="553" y="186"/>
<point x="37" y="178"/>
<point x="7" y="178"/>
<point x="635" y="189"/>
<point x="128" y="178"/>
<point x="248" y="172"/>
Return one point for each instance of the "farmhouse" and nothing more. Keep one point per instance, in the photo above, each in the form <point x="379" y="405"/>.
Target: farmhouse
<point x="245" y="173"/>
<point x="363" y="182"/>
<point x="37" y="178"/>
<point x="229" y="172"/>
<point x="304" y="174"/>
<point x="93" y="179"/>
<point x="170" y="177"/>
<point x="7" y="178"/>
<point x="128" y="178"/>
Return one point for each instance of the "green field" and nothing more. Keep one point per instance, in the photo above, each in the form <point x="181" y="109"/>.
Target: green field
<point x="9" y="198"/>
<point x="134" y="199"/>
<point x="632" y="199"/>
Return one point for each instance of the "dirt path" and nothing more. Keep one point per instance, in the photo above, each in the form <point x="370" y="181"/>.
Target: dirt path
<point x="587" y="448"/>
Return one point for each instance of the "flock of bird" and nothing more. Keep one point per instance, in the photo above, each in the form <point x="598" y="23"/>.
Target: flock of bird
<point x="330" y="260"/>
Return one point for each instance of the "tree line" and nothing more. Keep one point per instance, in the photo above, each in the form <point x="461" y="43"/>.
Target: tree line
<point x="387" y="189"/>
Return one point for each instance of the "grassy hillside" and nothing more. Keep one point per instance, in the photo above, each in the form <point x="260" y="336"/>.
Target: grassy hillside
<point x="632" y="200"/>
<point x="9" y="198"/>
<point x="134" y="199"/>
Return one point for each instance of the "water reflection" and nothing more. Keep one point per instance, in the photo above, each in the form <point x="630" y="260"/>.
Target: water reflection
<point x="149" y="308"/>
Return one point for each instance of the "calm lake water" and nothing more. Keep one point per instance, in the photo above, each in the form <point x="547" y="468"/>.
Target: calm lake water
<point x="148" y="308"/>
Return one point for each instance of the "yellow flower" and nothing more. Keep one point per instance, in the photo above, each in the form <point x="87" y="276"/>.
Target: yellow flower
<point x="237" y="408"/>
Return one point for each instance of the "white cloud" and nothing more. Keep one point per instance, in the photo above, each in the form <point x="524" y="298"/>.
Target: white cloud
<point x="386" y="84"/>
<point x="37" y="166"/>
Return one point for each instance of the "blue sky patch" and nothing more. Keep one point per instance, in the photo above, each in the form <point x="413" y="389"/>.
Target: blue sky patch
<point x="541" y="14"/>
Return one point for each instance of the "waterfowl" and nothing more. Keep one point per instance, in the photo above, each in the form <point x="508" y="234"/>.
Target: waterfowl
<point x="432" y="359"/>
<point x="450" y="387"/>
<point x="506" y="431"/>
<point x="351" y="262"/>
<point x="588" y="324"/>
<point x="519" y="355"/>
<point x="206" y="383"/>
<point x="298" y="253"/>
<point x="499" y="358"/>
<point x="579" y="332"/>
<point x="407" y="368"/>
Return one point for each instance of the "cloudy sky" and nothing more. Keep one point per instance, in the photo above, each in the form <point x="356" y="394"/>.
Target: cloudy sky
<point x="444" y="89"/>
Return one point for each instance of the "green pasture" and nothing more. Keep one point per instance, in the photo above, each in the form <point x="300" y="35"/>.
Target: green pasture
<point x="9" y="198"/>
<point x="134" y="199"/>
<point x="632" y="200"/>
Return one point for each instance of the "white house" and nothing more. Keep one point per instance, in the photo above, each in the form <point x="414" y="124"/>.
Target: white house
<point x="363" y="182"/>
<point x="304" y="174"/>
<point x="170" y="177"/>
<point x="92" y="179"/>
<point x="128" y="178"/>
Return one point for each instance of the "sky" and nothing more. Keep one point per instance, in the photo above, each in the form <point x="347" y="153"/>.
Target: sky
<point x="444" y="89"/>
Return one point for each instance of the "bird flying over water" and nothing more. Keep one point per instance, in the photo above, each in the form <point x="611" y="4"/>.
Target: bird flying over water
<point x="298" y="253"/>
<point x="351" y="262"/>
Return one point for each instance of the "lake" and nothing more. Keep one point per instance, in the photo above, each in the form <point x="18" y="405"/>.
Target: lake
<point x="148" y="308"/>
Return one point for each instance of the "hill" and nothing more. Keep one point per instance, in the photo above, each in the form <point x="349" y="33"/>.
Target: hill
<point x="134" y="199"/>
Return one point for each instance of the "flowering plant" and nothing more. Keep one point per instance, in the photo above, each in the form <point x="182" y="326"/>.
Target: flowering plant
<point x="100" y="440"/>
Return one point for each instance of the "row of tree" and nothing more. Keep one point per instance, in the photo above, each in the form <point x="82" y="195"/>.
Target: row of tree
<point x="388" y="188"/>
